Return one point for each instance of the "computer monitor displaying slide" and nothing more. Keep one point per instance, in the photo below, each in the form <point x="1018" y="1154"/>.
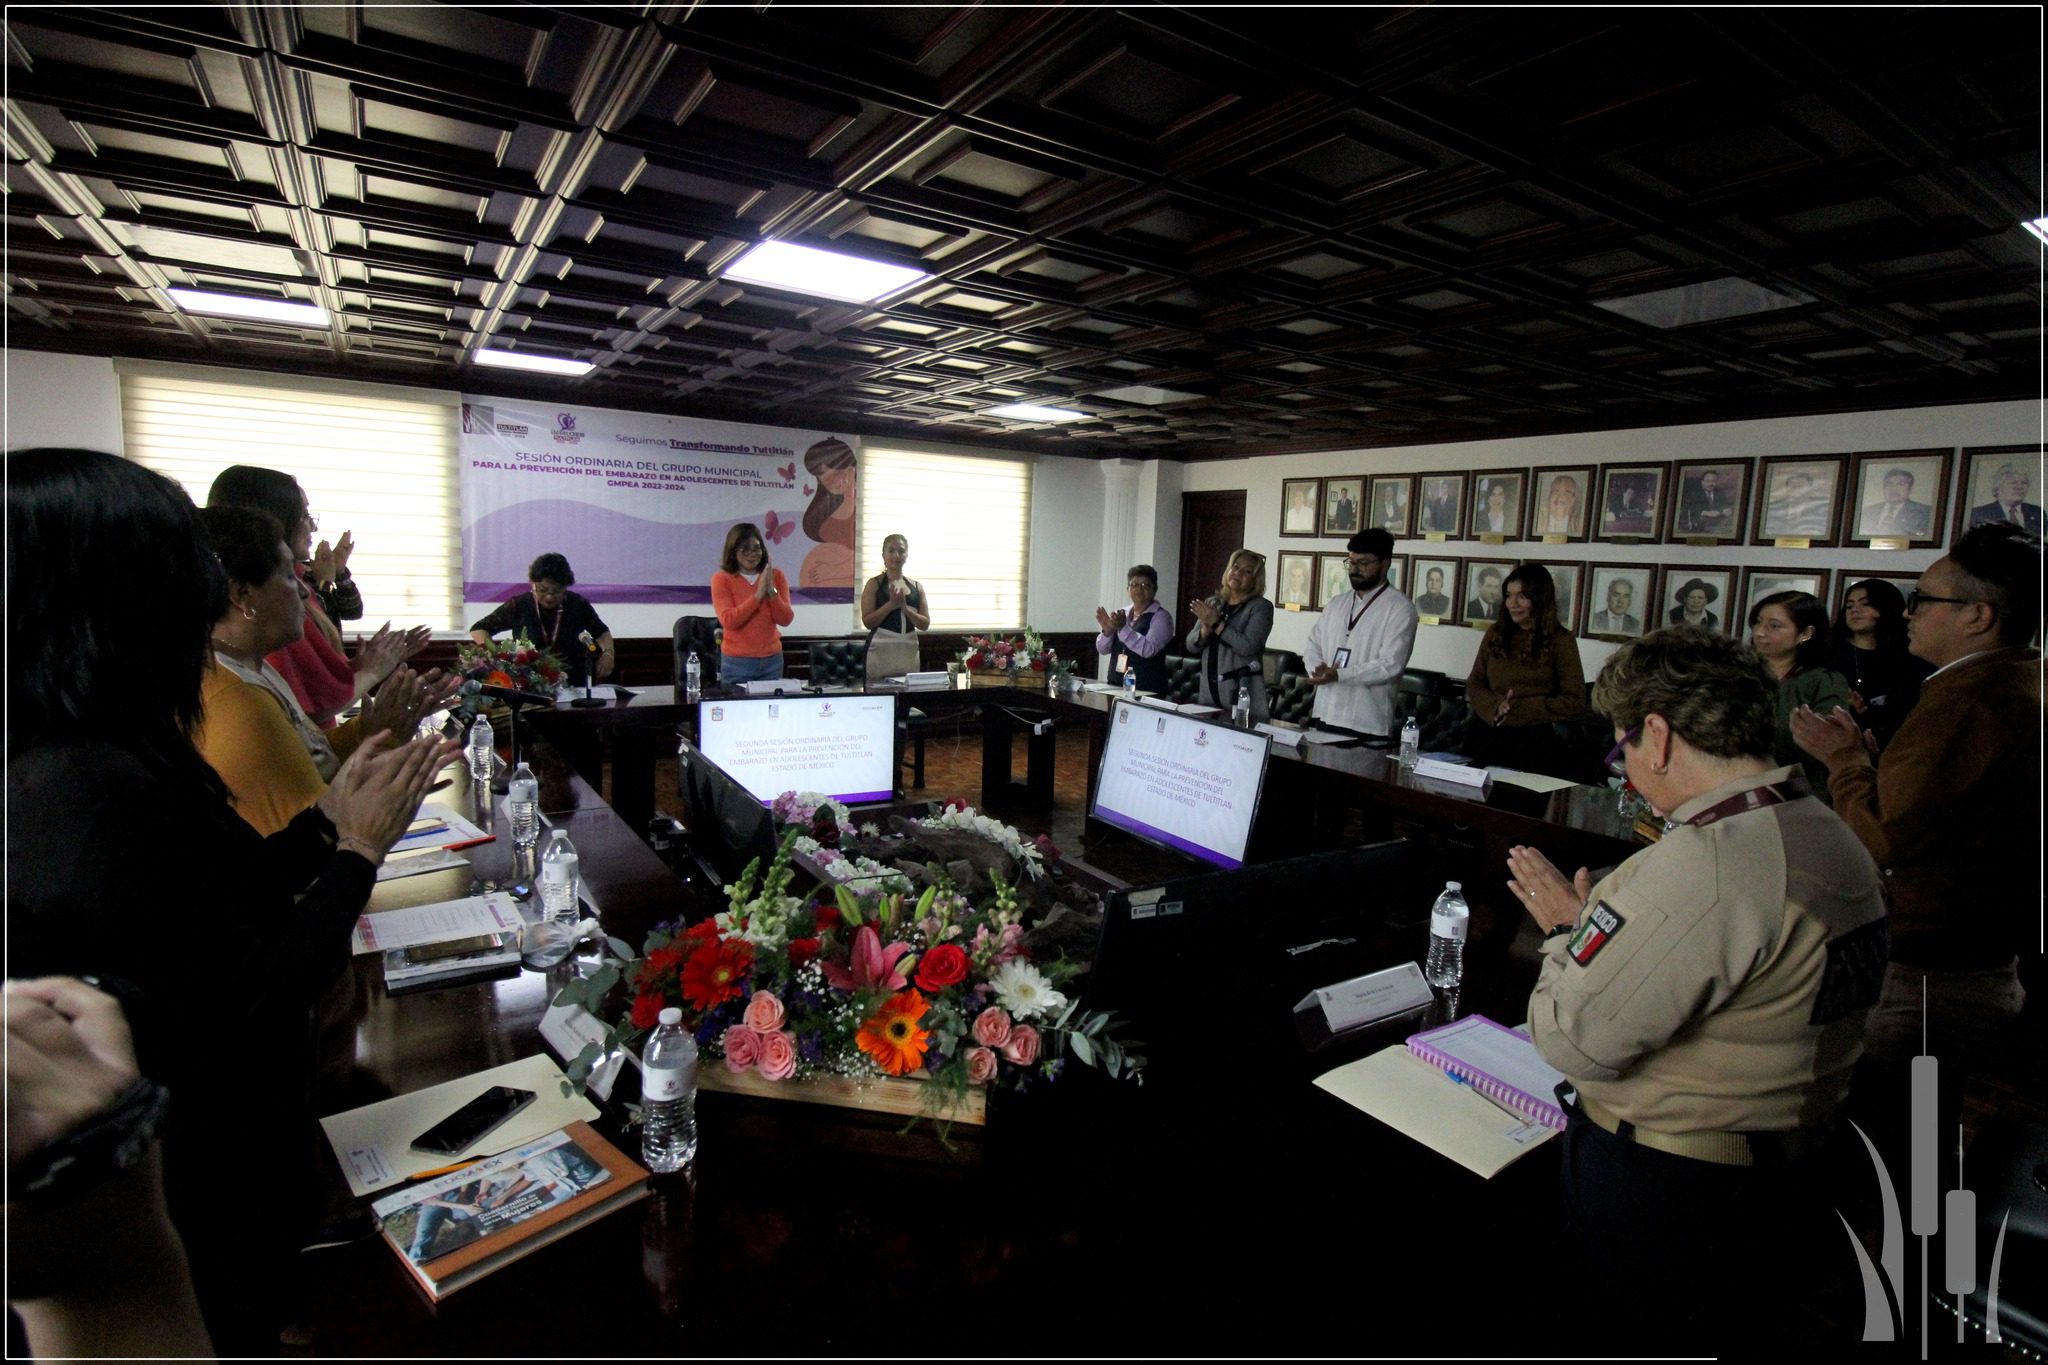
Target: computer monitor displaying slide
<point x="843" y="746"/>
<point x="1183" y="782"/>
<point x="728" y="827"/>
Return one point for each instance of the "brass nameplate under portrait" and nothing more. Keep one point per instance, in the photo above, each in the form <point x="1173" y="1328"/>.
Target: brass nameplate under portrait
<point x="1793" y="543"/>
<point x="1891" y="543"/>
<point x="1492" y="538"/>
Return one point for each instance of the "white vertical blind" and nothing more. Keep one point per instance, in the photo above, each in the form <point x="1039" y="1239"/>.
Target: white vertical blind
<point x="968" y="520"/>
<point x="378" y="462"/>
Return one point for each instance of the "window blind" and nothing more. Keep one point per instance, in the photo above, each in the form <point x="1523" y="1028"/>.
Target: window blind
<point x="968" y="520"/>
<point x="375" y="461"/>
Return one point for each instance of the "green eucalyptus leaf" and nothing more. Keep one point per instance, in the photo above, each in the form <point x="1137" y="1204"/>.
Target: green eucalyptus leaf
<point x="1083" y="1049"/>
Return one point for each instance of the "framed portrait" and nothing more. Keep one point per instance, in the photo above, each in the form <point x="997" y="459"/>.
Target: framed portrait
<point x="1898" y="495"/>
<point x="1436" y="583"/>
<point x="1567" y="578"/>
<point x="1631" y="501"/>
<point x="1301" y="504"/>
<point x="1441" y="506"/>
<point x="1397" y="573"/>
<point x="1497" y="502"/>
<point x="1688" y="595"/>
<point x="1295" y="580"/>
<point x="1342" y="499"/>
<point x="1390" y="497"/>
<point x="1760" y="581"/>
<point x="1618" y="600"/>
<point x="1483" y="581"/>
<point x="1710" y="501"/>
<point x="1847" y="579"/>
<point x="1798" y="496"/>
<point x="2000" y="483"/>
<point x="1560" y="498"/>
<point x="1333" y="577"/>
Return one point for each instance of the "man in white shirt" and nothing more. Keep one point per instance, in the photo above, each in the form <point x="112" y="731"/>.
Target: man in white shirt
<point x="1360" y="644"/>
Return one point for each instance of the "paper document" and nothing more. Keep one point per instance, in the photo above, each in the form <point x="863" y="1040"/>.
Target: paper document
<point x="374" y="1143"/>
<point x="1414" y="1098"/>
<point x="1327" y="737"/>
<point x="383" y="930"/>
<point x="1535" y="782"/>
<point x="439" y="827"/>
<point x="411" y="865"/>
<point x="598" y="691"/>
<point x="1195" y="708"/>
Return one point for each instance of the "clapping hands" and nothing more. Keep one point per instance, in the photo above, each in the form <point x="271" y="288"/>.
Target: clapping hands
<point x="372" y="799"/>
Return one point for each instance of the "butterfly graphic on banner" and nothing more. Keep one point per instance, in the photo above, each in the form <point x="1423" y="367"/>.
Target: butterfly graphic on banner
<point x="776" y="531"/>
<point x="788" y="472"/>
<point x="807" y="490"/>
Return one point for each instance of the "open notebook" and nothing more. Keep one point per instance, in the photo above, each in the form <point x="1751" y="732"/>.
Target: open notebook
<point x="1498" y="1062"/>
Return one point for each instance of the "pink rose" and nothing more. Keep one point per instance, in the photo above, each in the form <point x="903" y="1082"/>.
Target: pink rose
<point x="742" y="1048"/>
<point x="778" y="1055"/>
<point x="1023" y="1045"/>
<point x="764" y="1012"/>
<point x="981" y="1065"/>
<point x="992" y="1027"/>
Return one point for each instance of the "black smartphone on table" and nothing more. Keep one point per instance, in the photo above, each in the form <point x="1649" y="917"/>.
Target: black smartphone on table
<point x="469" y="1123"/>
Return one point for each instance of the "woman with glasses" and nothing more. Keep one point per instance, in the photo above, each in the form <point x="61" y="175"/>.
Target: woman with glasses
<point x="1789" y="631"/>
<point x="1526" y="677"/>
<point x="1229" y="635"/>
<point x="553" y="618"/>
<point x="1706" y="1002"/>
<point x="1139" y="636"/>
<point x="1869" y="649"/>
<point x="751" y="597"/>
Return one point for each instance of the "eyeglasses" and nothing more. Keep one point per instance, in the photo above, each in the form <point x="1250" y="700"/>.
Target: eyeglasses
<point x="1617" y="757"/>
<point x="1915" y="599"/>
<point x="1364" y="561"/>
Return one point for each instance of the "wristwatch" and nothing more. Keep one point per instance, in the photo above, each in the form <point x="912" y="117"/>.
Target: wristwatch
<point x="113" y="1140"/>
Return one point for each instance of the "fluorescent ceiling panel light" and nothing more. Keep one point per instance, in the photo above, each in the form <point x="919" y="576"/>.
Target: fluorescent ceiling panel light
<point x="1146" y="393"/>
<point x="526" y="360"/>
<point x="1708" y="301"/>
<point x="2039" y="227"/>
<point x="241" y="306"/>
<point x="827" y="274"/>
<point x="1032" y="412"/>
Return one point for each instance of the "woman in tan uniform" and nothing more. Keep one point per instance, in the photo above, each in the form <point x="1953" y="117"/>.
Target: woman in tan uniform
<point x="1706" y="1001"/>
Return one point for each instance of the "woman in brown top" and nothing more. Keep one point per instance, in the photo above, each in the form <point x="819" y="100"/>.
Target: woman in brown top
<point x="1526" y="677"/>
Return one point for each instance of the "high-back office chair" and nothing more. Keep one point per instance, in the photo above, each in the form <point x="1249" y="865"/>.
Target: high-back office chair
<point x="1437" y="701"/>
<point x="1183" y="678"/>
<point x="844" y="663"/>
<point x="701" y="633"/>
<point x="1293" y="700"/>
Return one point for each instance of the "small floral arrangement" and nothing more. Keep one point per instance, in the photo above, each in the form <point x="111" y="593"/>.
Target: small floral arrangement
<point x="863" y="979"/>
<point x="1000" y="654"/>
<point x="513" y="662"/>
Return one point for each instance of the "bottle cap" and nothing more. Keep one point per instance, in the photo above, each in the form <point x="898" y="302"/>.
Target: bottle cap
<point x="1453" y="886"/>
<point x="671" y="1015"/>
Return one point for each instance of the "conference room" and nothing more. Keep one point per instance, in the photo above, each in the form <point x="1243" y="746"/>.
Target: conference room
<point x="928" y="408"/>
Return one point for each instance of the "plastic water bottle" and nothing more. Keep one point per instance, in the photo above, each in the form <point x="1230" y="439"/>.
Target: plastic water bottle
<point x="481" y="743"/>
<point x="1130" y="684"/>
<point x="1241" y="709"/>
<point x="559" y="867"/>
<point x="1449" y="918"/>
<point x="693" y="678"/>
<point x="1411" y="743"/>
<point x="522" y="803"/>
<point x="668" y="1095"/>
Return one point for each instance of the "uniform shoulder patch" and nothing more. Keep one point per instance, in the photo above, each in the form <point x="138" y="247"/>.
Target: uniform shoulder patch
<point x="1853" y="978"/>
<point x="1595" y="932"/>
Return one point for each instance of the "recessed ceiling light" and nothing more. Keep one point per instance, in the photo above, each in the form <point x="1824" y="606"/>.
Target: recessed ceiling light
<point x="526" y="360"/>
<point x="828" y="274"/>
<point x="1707" y="301"/>
<point x="1146" y="393"/>
<point x="1032" y="412"/>
<point x="242" y="306"/>
<point x="2039" y="227"/>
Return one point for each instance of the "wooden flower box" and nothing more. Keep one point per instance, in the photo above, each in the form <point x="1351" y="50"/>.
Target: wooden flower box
<point x="882" y="1095"/>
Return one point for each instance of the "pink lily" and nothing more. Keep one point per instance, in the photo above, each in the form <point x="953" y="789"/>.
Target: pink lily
<point x="873" y="965"/>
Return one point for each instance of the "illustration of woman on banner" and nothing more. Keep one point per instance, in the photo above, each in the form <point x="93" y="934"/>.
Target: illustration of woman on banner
<point x="829" y="518"/>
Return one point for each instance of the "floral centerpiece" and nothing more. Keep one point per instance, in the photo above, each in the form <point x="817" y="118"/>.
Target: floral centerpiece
<point x="1003" y="653"/>
<point x="512" y="662"/>
<point x="883" y="972"/>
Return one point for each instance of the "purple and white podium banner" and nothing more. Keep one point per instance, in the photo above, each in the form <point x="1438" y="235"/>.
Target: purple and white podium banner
<point x="640" y="503"/>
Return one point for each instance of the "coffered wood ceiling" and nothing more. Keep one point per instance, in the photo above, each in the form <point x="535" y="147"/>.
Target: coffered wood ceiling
<point x="1315" y="228"/>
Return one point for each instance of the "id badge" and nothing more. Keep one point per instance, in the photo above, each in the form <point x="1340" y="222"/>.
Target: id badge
<point x="1123" y="663"/>
<point x="1343" y="659"/>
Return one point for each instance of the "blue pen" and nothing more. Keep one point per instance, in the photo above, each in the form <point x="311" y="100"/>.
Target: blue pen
<point x="1514" y="1114"/>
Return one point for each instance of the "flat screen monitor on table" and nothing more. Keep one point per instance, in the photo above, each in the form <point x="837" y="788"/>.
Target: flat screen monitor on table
<point x="728" y="827"/>
<point x="1182" y="782"/>
<point x="842" y="746"/>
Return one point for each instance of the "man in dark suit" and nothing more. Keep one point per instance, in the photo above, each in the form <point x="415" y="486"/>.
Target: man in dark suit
<point x="1345" y="516"/>
<point x="1439" y="507"/>
<point x="1898" y="514"/>
<point x="2009" y="502"/>
<point x="1704" y="510"/>
<point x="1435" y="601"/>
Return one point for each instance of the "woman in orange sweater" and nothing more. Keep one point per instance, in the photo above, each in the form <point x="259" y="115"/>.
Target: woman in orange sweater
<point x="751" y="598"/>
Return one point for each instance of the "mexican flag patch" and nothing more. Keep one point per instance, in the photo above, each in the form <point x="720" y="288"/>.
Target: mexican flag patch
<point x="1595" y="932"/>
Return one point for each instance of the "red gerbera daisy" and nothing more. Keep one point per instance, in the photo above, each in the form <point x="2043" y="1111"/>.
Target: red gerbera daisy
<point x="715" y="971"/>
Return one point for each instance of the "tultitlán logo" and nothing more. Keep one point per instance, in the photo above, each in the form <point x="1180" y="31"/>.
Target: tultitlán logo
<point x="565" y="421"/>
<point x="825" y="709"/>
<point x="1202" y="738"/>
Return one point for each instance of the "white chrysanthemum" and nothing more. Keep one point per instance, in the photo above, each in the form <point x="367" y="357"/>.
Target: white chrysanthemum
<point x="1024" y="991"/>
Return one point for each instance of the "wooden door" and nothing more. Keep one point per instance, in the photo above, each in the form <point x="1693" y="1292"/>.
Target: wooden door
<point x="1211" y="529"/>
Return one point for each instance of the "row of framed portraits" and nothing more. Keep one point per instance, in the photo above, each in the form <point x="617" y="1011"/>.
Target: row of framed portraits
<point x="1894" y="499"/>
<point x="1602" y="600"/>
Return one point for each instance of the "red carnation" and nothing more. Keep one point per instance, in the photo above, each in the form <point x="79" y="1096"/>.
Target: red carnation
<point x="647" y="1009"/>
<point x="703" y="931"/>
<point x="827" y="917"/>
<point x="802" y="950"/>
<point x="943" y="966"/>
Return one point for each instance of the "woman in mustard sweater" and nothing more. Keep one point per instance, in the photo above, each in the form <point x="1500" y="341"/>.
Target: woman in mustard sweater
<point x="1526" y="677"/>
<point x="751" y="598"/>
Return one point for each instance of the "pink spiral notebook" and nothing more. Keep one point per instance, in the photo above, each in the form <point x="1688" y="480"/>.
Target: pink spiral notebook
<point x="1498" y="1062"/>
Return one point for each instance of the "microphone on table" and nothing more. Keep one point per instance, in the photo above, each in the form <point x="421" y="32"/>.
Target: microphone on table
<point x="589" y="671"/>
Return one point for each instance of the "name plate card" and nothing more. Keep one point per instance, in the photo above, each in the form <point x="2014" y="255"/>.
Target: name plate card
<point x="1369" y="999"/>
<point x="1891" y="543"/>
<point x="1459" y="773"/>
<point x="1286" y="739"/>
<point x="1793" y="543"/>
<point x="1492" y="538"/>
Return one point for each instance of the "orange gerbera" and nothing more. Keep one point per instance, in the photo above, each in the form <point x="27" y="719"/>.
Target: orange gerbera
<point x="893" y="1038"/>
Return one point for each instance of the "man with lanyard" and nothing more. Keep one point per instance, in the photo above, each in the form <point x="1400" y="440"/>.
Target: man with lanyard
<point x="1706" y="1002"/>
<point x="1360" y="644"/>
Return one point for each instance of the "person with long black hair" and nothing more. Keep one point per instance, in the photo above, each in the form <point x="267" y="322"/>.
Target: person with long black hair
<point x="1869" y="649"/>
<point x="1789" y="631"/>
<point x="1526" y="677"/>
<point x="127" y="863"/>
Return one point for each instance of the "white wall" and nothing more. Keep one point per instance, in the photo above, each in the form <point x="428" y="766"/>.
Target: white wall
<point x="60" y="400"/>
<point x="1450" y="649"/>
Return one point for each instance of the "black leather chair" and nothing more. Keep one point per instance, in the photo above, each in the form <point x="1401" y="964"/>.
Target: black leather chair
<point x="1183" y="678"/>
<point x="1437" y="701"/>
<point x="844" y="663"/>
<point x="1293" y="700"/>
<point x="703" y="634"/>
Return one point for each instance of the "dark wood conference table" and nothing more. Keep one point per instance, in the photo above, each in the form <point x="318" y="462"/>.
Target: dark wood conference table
<point x="1237" y="1210"/>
